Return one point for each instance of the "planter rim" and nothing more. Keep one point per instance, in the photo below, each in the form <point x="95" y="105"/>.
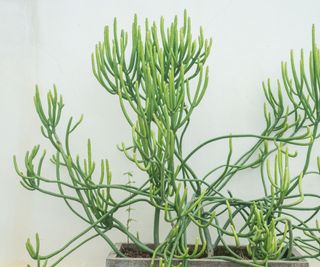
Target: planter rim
<point x="113" y="256"/>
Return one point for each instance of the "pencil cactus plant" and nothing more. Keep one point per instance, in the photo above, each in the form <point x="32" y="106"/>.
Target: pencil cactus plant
<point x="152" y="82"/>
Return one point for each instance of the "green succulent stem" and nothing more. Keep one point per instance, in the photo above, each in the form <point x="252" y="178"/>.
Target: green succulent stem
<point x="160" y="76"/>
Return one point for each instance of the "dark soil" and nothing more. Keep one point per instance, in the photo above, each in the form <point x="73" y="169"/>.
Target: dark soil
<point x="131" y="251"/>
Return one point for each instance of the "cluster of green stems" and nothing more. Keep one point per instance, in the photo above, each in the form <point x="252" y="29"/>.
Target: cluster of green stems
<point x="159" y="84"/>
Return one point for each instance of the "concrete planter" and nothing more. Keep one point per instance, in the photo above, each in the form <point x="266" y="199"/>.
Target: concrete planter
<point x="114" y="261"/>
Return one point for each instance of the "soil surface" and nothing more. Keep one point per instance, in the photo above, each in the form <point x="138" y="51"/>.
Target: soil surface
<point x="131" y="251"/>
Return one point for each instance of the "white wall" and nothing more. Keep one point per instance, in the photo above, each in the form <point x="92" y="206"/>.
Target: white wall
<point x="48" y="42"/>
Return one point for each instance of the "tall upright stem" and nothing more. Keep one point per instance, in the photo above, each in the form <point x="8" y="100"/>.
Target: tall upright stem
<point x="209" y="241"/>
<point x="156" y="226"/>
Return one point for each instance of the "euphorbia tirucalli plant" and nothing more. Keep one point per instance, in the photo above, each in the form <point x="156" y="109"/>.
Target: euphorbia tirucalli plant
<point x="150" y="74"/>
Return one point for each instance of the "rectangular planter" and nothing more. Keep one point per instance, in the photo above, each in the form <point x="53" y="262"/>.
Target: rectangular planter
<point x="114" y="261"/>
